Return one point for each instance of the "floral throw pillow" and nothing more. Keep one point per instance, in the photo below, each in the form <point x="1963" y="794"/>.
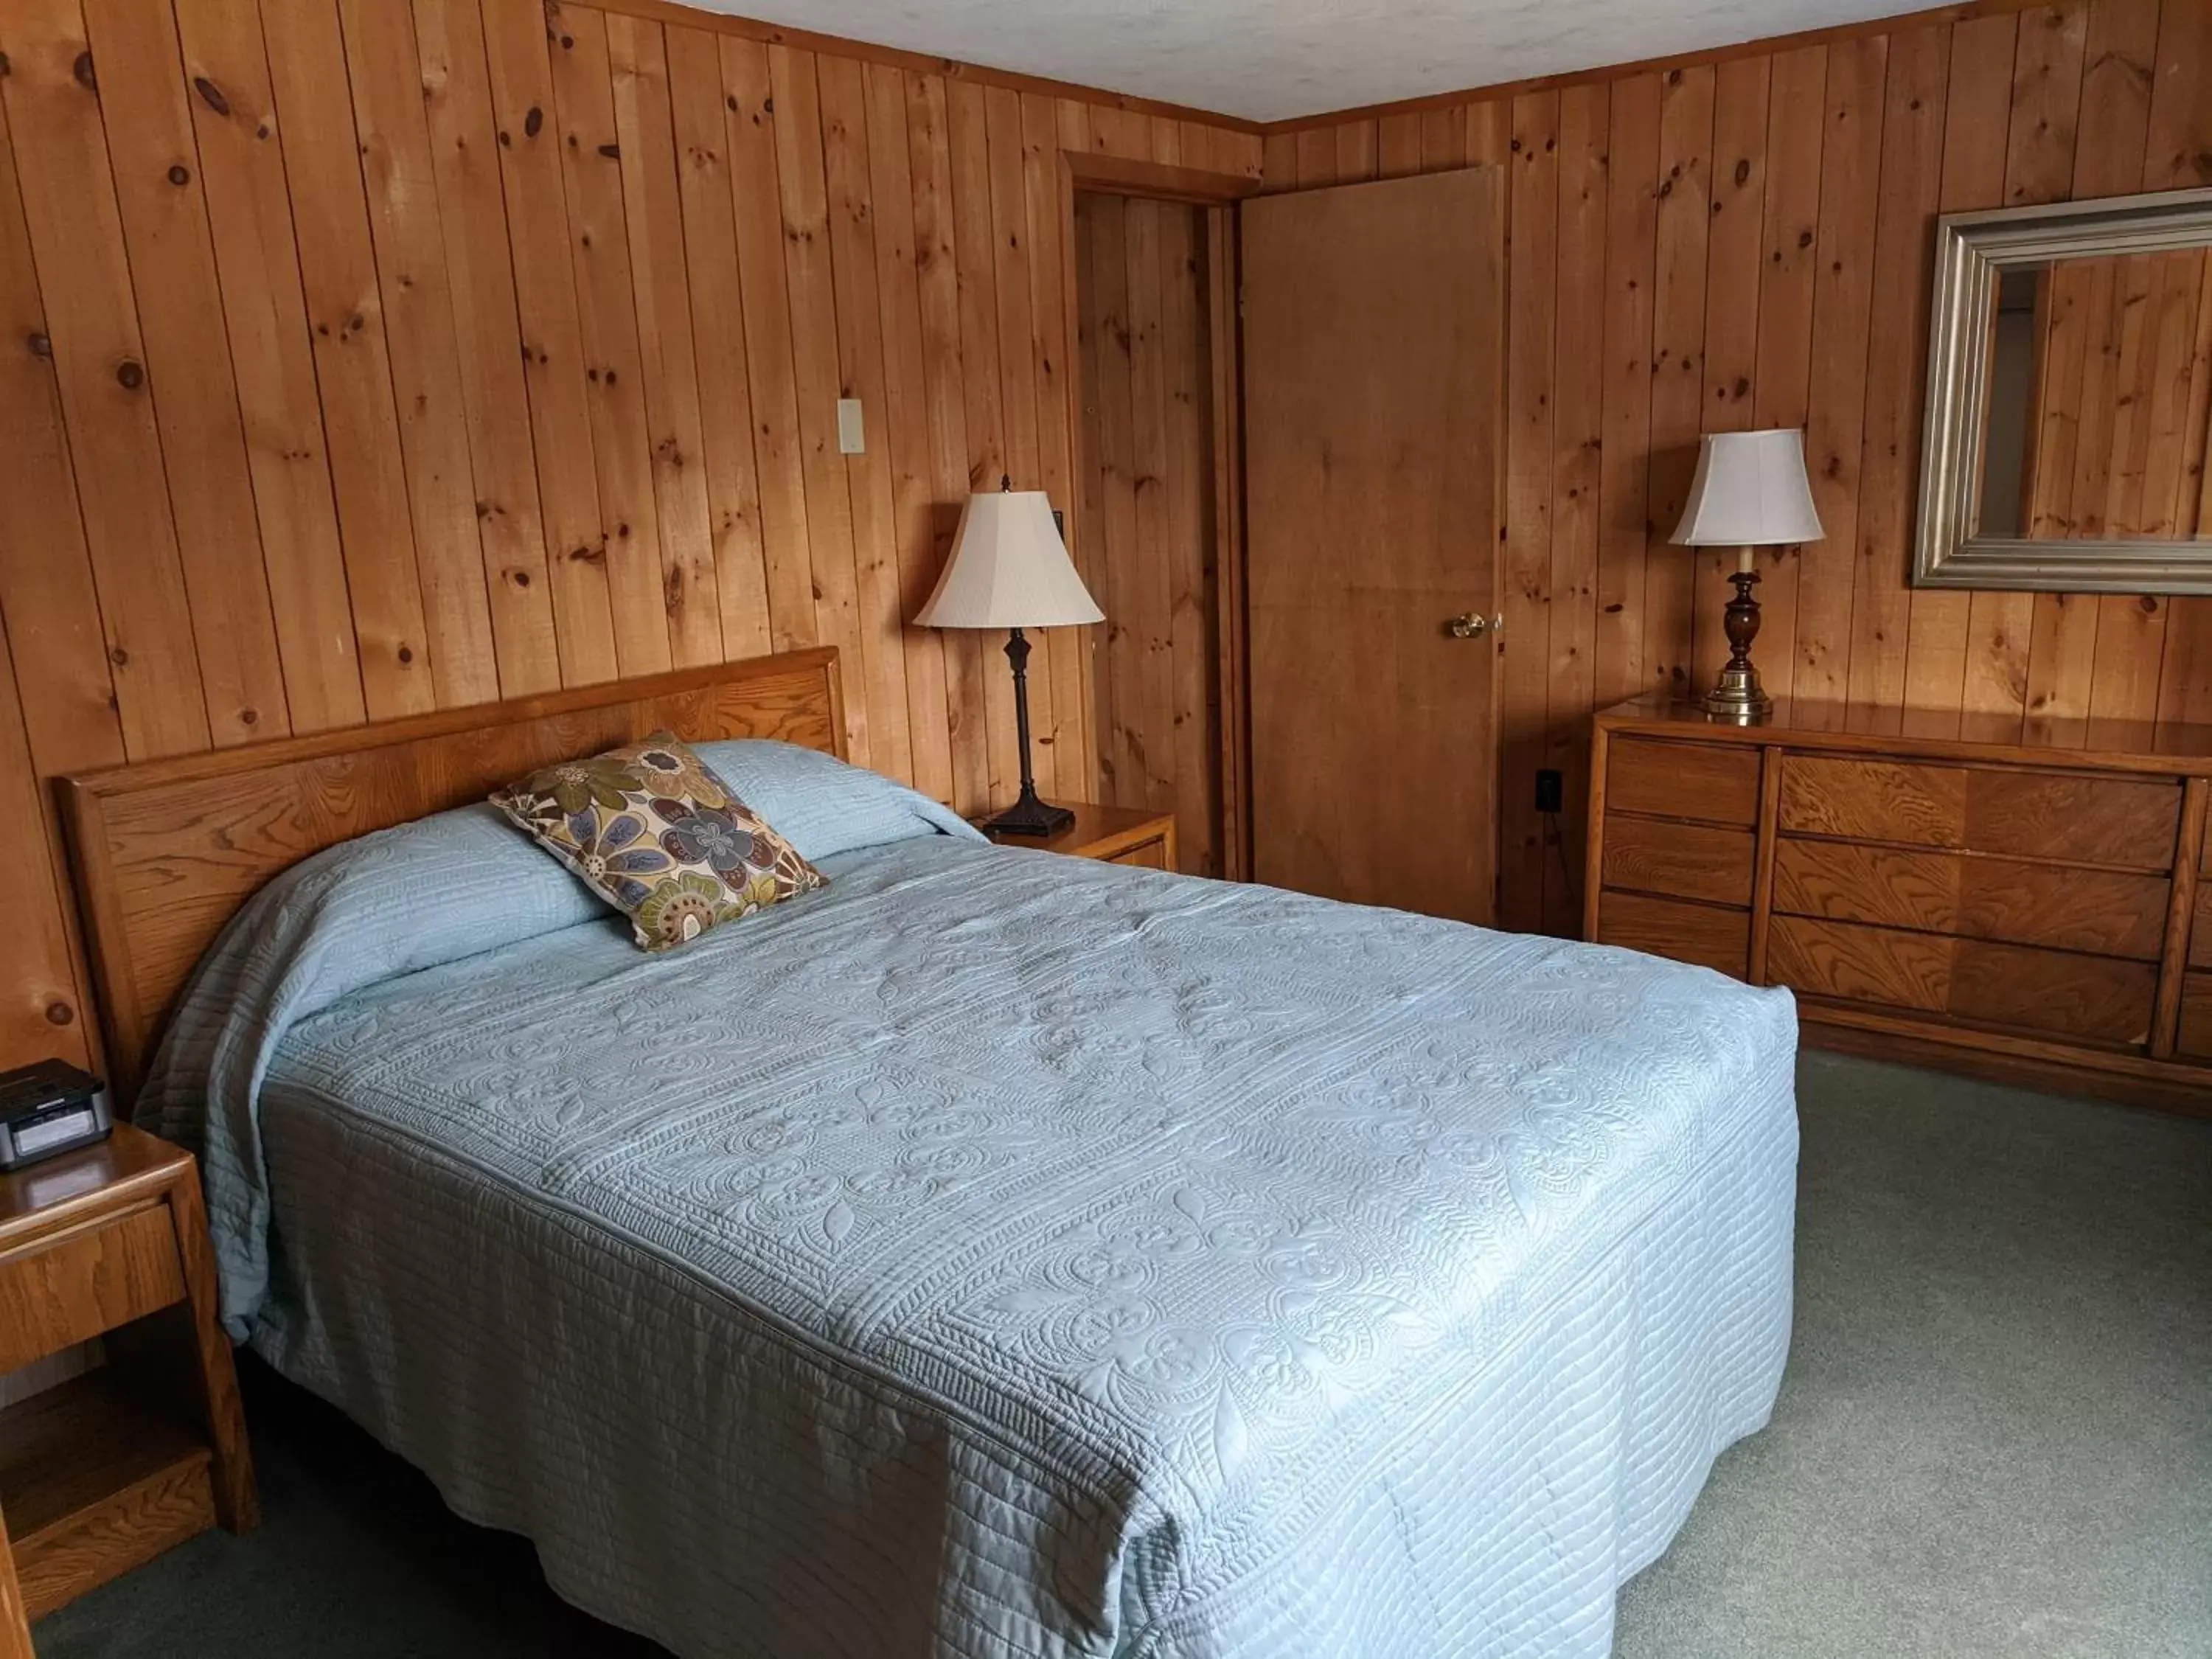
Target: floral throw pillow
<point x="654" y="831"/>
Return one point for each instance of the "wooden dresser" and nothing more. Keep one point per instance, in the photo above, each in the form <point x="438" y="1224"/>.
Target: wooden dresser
<point x="2029" y="908"/>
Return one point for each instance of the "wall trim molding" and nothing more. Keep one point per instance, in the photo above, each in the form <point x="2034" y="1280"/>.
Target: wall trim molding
<point x="1960" y="12"/>
<point x="838" y="46"/>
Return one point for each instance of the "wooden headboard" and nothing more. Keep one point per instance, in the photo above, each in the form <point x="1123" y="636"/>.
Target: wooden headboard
<point x="166" y="851"/>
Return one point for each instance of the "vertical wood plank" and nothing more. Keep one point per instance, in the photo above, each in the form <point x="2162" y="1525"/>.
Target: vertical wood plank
<point x="1398" y="144"/>
<point x="66" y="707"/>
<point x="1231" y="701"/>
<point x="385" y="78"/>
<point x="906" y="423"/>
<point x="2120" y="56"/>
<point x="1443" y="137"/>
<point x="653" y="210"/>
<point x="1146" y="591"/>
<point x="1191" y="642"/>
<point x="553" y="365"/>
<point x="47" y="594"/>
<point x="1685" y="133"/>
<point x="190" y="375"/>
<point x="1736" y="248"/>
<point x="1733" y="246"/>
<point x="2061" y="629"/>
<point x="2179" y="149"/>
<point x="1122" y="679"/>
<point x="718" y="332"/>
<point x="1631" y="234"/>
<point x="75" y="241"/>
<point x="1577" y="441"/>
<point x="1090" y="549"/>
<point x="1126" y="133"/>
<point x="1526" y="567"/>
<point x="936" y="237"/>
<point x="1356" y="146"/>
<point x="1316" y="148"/>
<point x="1051" y="361"/>
<point x="39" y="998"/>
<point x="1896" y="348"/>
<point x="1974" y="122"/>
<point x="345" y="315"/>
<point x="852" y="231"/>
<point x="1017" y="395"/>
<point x="1487" y="134"/>
<point x="607" y="310"/>
<point x="753" y="131"/>
<point x="724" y="379"/>
<point x="1790" y="237"/>
<point x="982" y="383"/>
<point x="1843" y="291"/>
<point x="807" y="271"/>
<point x="488" y="339"/>
<point x="250" y="218"/>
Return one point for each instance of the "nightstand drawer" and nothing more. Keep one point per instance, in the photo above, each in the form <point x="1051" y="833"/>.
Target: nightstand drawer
<point x="1146" y="855"/>
<point x="70" y="1288"/>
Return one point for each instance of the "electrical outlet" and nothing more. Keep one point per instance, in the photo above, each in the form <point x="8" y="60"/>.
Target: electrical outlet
<point x="1550" y="790"/>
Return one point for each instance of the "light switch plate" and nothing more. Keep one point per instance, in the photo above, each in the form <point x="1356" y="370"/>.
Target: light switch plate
<point x="850" y="439"/>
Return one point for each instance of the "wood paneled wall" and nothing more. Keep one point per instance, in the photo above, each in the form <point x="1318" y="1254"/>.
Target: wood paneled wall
<point x="2123" y="371"/>
<point x="359" y="357"/>
<point x="1745" y="240"/>
<point x="1144" y="345"/>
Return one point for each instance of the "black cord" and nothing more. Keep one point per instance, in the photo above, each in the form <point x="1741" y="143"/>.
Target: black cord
<point x="1559" y="842"/>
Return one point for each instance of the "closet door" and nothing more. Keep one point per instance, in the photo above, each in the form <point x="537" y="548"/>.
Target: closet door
<point x="1373" y="370"/>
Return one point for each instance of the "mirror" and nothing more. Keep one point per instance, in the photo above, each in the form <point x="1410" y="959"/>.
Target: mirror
<point x="2070" y="399"/>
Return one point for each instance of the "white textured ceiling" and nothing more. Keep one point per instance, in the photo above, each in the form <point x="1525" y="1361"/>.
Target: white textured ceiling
<point x="1270" y="60"/>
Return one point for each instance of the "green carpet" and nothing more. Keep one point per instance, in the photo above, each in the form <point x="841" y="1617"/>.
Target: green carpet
<point x="1994" y="1436"/>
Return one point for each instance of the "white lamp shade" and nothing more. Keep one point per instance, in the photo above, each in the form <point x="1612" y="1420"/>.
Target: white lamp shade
<point x="1009" y="569"/>
<point x="1750" y="491"/>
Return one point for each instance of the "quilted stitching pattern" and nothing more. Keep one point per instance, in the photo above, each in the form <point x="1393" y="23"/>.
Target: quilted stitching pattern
<point x="1009" y="1254"/>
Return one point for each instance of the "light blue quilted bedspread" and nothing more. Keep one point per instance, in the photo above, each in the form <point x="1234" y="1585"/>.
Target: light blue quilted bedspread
<point x="1003" y="1254"/>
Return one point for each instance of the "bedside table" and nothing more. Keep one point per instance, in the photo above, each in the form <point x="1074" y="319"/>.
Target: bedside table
<point x="112" y="1468"/>
<point x="1114" y="835"/>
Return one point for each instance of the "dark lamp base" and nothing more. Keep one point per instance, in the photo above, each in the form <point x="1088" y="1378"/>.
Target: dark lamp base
<point x="1031" y="817"/>
<point x="1739" y="697"/>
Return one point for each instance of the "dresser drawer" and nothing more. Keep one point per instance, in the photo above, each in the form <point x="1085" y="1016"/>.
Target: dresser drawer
<point x="1687" y="860"/>
<point x="2107" y="911"/>
<point x="1702" y="933"/>
<point x="2108" y="819"/>
<point x="2200" y="929"/>
<point x="2196" y="1039"/>
<point x="2050" y="992"/>
<point x="70" y="1289"/>
<point x="1712" y="782"/>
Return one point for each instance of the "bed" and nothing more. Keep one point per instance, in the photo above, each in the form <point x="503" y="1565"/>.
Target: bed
<point x="991" y="1253"/>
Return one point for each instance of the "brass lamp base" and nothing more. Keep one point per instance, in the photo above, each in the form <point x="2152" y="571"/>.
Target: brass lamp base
<point x="1739" y="697"/>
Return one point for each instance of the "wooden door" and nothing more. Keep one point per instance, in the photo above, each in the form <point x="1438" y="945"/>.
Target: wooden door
<point x="1372" y="405"/>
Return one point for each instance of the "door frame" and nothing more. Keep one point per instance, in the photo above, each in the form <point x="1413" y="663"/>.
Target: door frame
<point x="1218" y="193"/>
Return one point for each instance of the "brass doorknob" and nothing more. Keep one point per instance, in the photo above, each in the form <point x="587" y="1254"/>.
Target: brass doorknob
<point x="1467" y="626"/>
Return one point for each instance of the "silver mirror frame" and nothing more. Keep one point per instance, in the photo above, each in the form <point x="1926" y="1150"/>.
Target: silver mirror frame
<point x="1972" y="249"/>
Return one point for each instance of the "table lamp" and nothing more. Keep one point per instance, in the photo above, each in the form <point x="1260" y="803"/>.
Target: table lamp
<point x="1750" y="492"/>
<point x="1010" y="569"/>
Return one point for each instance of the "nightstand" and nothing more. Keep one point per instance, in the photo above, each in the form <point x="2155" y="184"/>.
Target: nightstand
<point x="1114" y="835"/>
<point x="112" y="1468"/>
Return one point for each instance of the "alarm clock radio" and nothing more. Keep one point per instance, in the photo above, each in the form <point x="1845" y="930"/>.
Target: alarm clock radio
<point x="47" y="1109"/>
